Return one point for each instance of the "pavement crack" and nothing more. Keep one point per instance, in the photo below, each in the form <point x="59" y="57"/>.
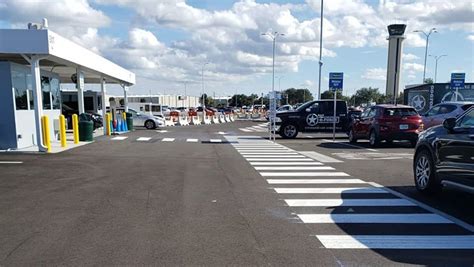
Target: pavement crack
<point x="19" y="245"/>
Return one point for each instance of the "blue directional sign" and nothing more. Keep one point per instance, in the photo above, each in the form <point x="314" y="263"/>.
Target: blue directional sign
<point x="336" y="81"/>
<point x="457" y="80"/>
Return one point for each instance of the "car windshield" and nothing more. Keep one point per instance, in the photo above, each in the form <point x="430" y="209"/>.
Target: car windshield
<point x="399" y="112"/>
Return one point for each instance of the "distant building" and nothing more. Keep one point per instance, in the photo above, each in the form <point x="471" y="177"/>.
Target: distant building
<point x="423" y="96"/>
<point x="175" y="101"/>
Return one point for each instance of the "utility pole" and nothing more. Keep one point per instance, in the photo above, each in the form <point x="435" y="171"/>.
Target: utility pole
<point x="436" y="64"/>
<point x="320" y="50"/>
<point x="427" y="36"/>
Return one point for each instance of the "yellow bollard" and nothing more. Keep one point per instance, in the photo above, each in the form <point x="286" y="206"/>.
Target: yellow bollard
<point x="46" y="137"/>
<point x="107" y="123"/>
<point x="62" y="130"/>
<point x="75" y="128"/>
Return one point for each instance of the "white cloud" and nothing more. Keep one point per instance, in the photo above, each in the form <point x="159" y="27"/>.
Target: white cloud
<point x="470" y="37"/>
<point x="412" y="67"/>
<point x="375" y="74"/>
<point x="409" y="57"/>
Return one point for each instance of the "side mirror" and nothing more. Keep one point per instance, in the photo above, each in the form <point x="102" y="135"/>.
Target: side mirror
<point x="308" y="110"/>
<point x="449" y="123"/>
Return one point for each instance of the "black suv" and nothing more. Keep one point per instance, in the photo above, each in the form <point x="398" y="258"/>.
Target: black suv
<point x="445" y="155"/>
<point x="313" y="116"/>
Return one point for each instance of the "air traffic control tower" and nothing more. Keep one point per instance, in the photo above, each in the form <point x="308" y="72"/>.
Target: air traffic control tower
<point x="394" y="61"/>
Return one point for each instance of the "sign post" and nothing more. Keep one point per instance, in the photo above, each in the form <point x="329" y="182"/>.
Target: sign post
<point x="457" y="82"/>
<point x="272" y="98"/>
<point x="335" y="84"/>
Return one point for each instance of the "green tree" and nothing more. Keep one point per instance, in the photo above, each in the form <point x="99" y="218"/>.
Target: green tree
<point x="296" y="95"/>
<point x="429" y="80"/>
<point x="366" y="96"/>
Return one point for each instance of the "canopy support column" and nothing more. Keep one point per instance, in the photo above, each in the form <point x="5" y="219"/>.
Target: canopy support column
<point x="103" y="97"/>
<point x="125" y="97"/>
<point x="37" y="97"/>
<point x="80" y="90"/>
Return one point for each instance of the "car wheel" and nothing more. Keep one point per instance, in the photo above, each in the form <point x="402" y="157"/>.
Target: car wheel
<point x="289" y="131"/>
<point x="374" y="139"/>
<point x="149" y="124"/>
<point x="423" y="169"/>
<point x="352" y="138"/>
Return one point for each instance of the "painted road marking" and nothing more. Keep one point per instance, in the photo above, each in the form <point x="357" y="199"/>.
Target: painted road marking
<point x="397" y="241"/>
<point x="167" y="139"/>
<point x="293" y="168"/>
<point x="315" y="181"/>
<point x="119" y="138"/>
<point x="319" y="157"/>
<point x="192" y="140"/>
<point x="272" y="156"/>
<point x="348" y="202"/>
<point x="374" y="218"/>
<point x="144" y="139"/>
<point x="215" y="140"/>
<point x="349" y="145"/>
<point x="268" y="153"/>
<point x="285" y="163"/>
<point x="335" y="190"/>
<point x="270" y="159"/>
<point x="304" y="174"/>
<point x="11" y="162"/>
<point x="162" y="131"/>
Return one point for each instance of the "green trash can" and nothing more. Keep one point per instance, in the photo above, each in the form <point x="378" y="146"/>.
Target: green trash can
<point x="86" y="127"/>
<point x="129" y="121"/>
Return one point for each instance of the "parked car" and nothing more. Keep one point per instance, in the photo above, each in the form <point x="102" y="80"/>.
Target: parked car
<point x="444" y="155"/>
<point x="67" y="111"/>
<point x="285" y="108"/>
<point x="144" y="120"/>
<point x="313" y="116"/>
<point x="438" y="113"/>
<point x="386" y="122"/>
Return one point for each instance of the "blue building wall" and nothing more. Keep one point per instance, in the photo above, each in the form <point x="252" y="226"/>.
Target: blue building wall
<point x="8" y="138"/>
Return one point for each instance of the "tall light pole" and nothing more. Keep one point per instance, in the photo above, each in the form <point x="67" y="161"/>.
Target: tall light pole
<point x="436" y="64"/>
<point x="202" y="84"/>
<point x="320" y="50"/>
<point x="273" y="35"/>
<point x="427" y="36"/>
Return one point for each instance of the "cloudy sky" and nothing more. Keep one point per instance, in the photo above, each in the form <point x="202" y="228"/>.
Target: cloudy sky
<point x="166" y="42"/>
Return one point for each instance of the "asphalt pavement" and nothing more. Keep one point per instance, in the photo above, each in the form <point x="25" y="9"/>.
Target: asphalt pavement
<point x="224" y="195"/>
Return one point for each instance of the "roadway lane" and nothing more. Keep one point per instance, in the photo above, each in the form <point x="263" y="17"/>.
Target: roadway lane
<point x="185" y="196"/>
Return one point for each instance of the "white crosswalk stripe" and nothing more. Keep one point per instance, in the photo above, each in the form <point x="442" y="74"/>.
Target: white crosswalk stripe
<point x="294" y="168"/>
<point x="303" y="173"/>
<point x="347" y="202"/>
<point x="143" y="139"/>
<point x="397" y="241"/>
<point x="119" y="138"/>
<point x="168" y="140"/>
<point x="277" y="159"/>
<point x="313" y="163"/>
<point x="192" y="140"/>
<point x="333" y="190"/>
<point x="315" y="181"/>
<point x="215" y="140"/>
<point x="374" y="218"/>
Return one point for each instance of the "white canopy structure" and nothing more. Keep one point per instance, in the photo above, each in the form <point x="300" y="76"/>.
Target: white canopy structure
<point x="44" y="50"/>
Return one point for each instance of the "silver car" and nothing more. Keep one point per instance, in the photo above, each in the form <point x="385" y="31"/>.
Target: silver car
<point x="144" y="120"/>
<point x="439" y="112"/>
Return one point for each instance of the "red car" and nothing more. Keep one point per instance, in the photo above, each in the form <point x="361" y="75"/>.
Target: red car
<point x="387" y="122"/>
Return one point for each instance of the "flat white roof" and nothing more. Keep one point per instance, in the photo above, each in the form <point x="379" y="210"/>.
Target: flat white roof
<point x="62" y="56"/>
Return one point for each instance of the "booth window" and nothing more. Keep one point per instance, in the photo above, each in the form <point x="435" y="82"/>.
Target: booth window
<point x="19" y="84"/>
<point x="55" y="92"/>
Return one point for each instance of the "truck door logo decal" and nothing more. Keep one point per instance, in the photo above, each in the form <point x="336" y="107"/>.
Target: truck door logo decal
<point x="312" y="119"/>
